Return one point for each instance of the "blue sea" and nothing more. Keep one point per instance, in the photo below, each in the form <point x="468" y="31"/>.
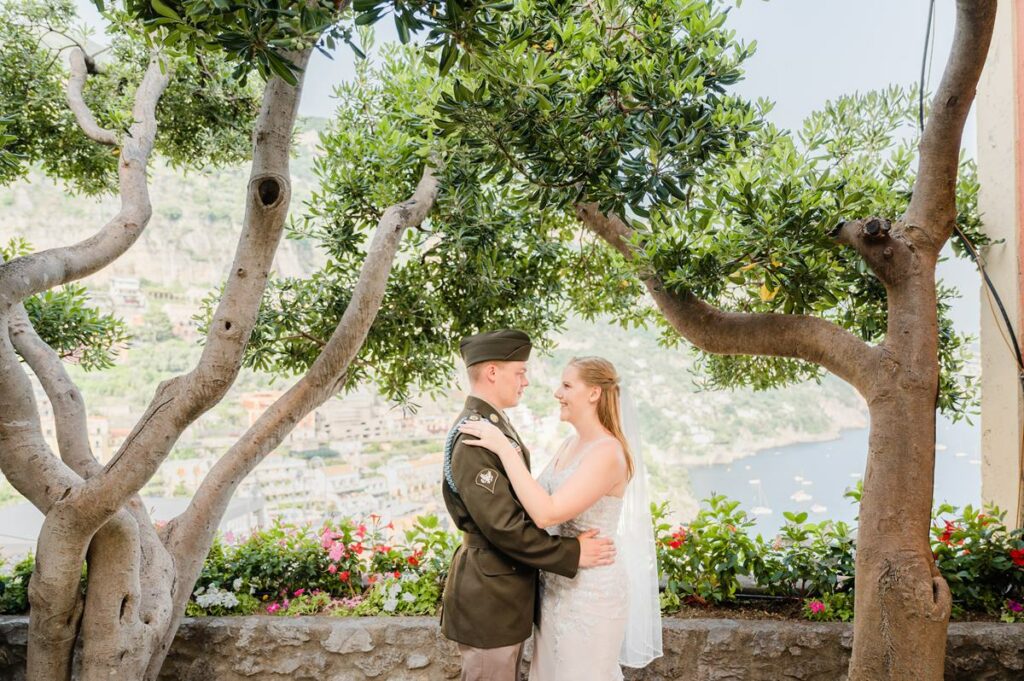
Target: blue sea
<point x="812" y="477"/>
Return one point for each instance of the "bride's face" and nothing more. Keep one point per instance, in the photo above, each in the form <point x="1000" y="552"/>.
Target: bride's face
<point x="575" y="397"/>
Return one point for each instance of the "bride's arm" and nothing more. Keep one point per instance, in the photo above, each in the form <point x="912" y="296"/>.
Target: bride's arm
<point x="596" y="475"/>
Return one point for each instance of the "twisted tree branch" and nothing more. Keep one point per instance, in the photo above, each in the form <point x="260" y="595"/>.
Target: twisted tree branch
<point x="742" y="333"/>
<point x="76" y="101"/>
<point x="37" y="272"/>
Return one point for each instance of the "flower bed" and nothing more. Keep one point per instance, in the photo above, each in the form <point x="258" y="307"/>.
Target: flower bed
<point x="348" y="568"/>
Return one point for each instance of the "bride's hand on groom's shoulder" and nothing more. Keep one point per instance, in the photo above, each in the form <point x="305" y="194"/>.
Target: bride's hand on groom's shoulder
<point x="488" y="436"/>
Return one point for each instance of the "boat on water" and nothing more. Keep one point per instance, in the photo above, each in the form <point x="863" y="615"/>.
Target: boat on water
<point x="800" y="496"/>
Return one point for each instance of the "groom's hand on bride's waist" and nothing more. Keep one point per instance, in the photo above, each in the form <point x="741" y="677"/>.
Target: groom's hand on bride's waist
<point x="595" y="551"/>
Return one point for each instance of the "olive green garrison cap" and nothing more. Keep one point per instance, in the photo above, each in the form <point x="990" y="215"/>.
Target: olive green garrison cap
<point x="503" y="345"/>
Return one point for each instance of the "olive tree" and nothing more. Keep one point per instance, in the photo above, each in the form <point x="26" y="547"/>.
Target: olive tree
<point x="96" y="124"/>
<point x="778" y="256"/>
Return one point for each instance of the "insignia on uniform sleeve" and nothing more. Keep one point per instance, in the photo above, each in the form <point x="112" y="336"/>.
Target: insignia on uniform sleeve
<point x="494" y="418"/>
<point x="474" y="417"/>
<point x="487" y="478"/>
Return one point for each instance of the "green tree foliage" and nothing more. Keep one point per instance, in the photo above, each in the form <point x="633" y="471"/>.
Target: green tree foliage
<point x="481" y="260"/>
<point x="626" y="103"/>
<point x="205" y="116"/>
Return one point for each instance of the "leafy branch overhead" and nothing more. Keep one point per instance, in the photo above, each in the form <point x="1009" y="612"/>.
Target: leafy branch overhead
<point x="264" y="34"/>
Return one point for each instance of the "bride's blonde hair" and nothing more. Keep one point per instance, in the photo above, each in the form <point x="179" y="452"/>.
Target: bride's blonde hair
<point x="600" y="373"/>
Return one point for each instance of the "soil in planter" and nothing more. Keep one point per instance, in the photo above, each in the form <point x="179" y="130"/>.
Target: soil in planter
<point x="767" y="608"/>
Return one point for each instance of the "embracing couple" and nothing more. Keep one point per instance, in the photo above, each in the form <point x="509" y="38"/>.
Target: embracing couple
<point x="572" y="552"/>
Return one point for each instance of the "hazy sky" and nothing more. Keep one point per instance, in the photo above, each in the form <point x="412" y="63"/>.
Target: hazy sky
<point x="808" y="51"/>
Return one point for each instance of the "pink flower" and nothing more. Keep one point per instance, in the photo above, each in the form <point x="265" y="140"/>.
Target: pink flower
<point x="337" y="551"/>
<point x="299" y="592"/>
<point x="273" y="607"/>
<point x="229" y="537"/>
<point x="817" y="607"/>
<point x="1014" y="606"/>
<point x="332" y="568"/>
<point x="327" y="538"/>
<point x="361" y="531"/>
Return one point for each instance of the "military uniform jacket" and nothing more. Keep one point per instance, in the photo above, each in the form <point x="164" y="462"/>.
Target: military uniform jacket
<point x="490" y="598"/>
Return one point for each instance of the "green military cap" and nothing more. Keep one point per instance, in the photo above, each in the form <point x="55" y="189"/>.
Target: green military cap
<point x="504" y="345"/>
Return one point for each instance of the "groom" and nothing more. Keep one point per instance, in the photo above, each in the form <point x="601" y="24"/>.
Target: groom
<point x="490" y="597"/>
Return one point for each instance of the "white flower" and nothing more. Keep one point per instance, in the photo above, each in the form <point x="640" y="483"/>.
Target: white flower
<point x="217" y="597"/>
<point x="408" y="597"/>
<point x="237" y="584"/>
<point x="390" y="604"/>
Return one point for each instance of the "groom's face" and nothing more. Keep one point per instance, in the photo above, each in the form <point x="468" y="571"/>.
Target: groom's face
<point x="510" y="381"/>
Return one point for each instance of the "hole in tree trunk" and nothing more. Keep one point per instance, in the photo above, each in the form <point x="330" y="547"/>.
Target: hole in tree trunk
<point x="227" y="326"/>
<point x="269" y="191"/>
<point x="124" y="606"/>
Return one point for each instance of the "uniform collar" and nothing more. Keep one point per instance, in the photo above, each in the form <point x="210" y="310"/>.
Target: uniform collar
<point x="486" y="410"/>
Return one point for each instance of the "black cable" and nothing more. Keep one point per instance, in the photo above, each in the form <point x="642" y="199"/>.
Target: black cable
<point x="995" y="296"/>
<point x="924" y="62"/>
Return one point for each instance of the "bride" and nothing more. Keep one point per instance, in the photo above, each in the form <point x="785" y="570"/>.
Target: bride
<point x="605" y="616"/>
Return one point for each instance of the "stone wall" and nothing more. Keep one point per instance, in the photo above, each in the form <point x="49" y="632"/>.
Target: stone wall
<point x="412" y="649"/>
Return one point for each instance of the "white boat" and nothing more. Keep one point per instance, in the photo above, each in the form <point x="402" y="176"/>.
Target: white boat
<point x="754" y="481"/>
<point x="818" y="508"/>
<point x="800" y="496"/>
<point x="761" y="510"/>
<point x="976" y="462"/>
<point x="940" y="447"/>
<point x="806" y="482"/>
<point x="960" y="455"/>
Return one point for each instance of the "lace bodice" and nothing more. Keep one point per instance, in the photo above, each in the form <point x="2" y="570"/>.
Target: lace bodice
<point x="582" y="619"/>
<point x="603" y="515"/>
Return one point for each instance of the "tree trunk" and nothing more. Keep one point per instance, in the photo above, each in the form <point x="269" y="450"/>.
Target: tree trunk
<point x="902" y="603"/>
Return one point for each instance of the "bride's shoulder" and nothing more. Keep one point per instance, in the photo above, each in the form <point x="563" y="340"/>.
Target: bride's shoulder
<point x="610" y="451"/>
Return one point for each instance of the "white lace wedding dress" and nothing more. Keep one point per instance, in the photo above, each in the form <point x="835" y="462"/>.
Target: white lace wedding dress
<point x="582" y="620"/>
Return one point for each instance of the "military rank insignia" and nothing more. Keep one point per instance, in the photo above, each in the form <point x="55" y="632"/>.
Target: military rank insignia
<point x="487" y="478"/>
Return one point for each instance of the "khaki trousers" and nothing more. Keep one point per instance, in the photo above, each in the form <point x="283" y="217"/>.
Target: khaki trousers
<point x="491" y="664"/>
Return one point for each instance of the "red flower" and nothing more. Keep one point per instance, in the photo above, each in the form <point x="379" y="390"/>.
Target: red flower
<point x="344" y="575"/>
<point x="361" y="531"/>
<point x="675" y="544"/>
<point x="948" y="533"/>
<point x="1017" y="556"/>
<point x="397" y="574"/>
<point x="413" y="561"/>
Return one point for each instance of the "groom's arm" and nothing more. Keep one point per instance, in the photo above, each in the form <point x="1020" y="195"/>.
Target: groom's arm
<point x="485" y="490"/>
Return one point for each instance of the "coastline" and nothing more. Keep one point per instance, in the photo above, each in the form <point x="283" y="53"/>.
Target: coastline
<point x="840" y="420"/>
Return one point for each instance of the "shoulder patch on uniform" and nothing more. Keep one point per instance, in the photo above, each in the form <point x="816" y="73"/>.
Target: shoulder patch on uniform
<point x="487" y="478"/>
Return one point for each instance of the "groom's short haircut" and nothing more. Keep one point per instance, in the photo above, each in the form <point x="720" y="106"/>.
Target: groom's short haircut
<point x="476" y="370"/>
<point x="504" y="345"/>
